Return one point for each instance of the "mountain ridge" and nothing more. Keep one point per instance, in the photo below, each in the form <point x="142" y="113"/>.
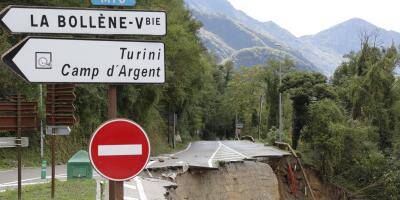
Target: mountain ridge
<point x="231" y="34"/>
<point x="344" y="44"/>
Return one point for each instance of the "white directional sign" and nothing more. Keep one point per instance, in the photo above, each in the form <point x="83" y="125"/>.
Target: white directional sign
<point x="58" y="130"/>
<point x="46" y="60"/>
<point x="9" y="142"/>
<point x="23" y="19"/>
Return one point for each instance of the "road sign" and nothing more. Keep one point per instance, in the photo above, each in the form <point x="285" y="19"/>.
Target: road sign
<point x="60" y="109"/>
<point x="27" y="19"/>
<point x="20" y="108"/>
<point x="9" y="123"/>
<point x="114" y="2"/>
<point x="239" y="125"/>
<point x="9" y="142"/>
<point x="58" y="130"/>
<point x="45" y="60"/>
<point x="12" y="107"/>
<point x="119" y="149"/>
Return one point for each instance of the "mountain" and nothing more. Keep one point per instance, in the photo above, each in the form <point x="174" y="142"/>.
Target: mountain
<point x="346" y="36"/>
<point x="230" y="34"/>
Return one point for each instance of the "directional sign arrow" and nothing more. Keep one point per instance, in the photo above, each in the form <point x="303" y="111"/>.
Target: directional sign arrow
<point x="29" y="19"/>
<point x="45" y="60"/>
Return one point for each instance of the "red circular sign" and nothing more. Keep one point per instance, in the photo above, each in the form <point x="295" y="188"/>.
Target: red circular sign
<point x="119" y="149"/>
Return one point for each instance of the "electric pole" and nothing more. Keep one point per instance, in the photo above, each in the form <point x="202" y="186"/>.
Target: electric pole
<point x="280" y="95"/>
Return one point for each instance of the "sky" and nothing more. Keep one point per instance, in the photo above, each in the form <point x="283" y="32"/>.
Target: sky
<point x="306" y="17"/>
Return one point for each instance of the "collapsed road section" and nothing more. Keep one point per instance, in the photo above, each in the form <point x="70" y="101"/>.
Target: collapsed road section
<point x="226" y="170"/>
<point x="211" y="170"/>
<point x="207" y="154"/>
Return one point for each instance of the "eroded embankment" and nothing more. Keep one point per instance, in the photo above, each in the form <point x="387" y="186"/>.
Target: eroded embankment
<point x="246" y="180"/>
<point x="231" y="170"/>
<point x="239" y="180"/>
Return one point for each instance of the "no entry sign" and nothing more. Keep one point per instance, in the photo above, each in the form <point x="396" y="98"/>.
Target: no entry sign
<point x="119" y="149"/>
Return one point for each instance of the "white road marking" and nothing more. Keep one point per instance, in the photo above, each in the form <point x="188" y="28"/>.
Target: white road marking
<point x="213" y="155"/>
<point x="142" y="194"/>
<point x="150" y="163"/>
<point x="6" y="171"/>
<point x="130" y="198"/>
<point x="234" y="150"/>
<point x="130" y="186"/>
<point x="13" y="182"/>
<point x="24" y="184"/>
<point x="31" y="179"/>
<point x="120" y="150"/>
<point x="187" y="148"/>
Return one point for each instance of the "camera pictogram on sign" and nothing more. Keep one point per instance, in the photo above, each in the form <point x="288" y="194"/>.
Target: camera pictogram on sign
<point x="43" y="60"/>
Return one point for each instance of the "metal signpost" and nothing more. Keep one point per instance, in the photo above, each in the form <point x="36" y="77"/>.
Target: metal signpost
<point x="59" y="116"/>
<point x="17" y="115"/>
<point x="68" y="60"/>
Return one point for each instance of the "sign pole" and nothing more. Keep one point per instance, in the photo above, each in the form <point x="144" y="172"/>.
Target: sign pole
<point x="53" y="149"/>
<point x="41" y="121"/>
<point x="19" y="143"/>
<point x="116" y="188"/>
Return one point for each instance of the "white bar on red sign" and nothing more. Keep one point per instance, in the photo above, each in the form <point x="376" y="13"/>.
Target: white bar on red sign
<point x="120" y="150"/>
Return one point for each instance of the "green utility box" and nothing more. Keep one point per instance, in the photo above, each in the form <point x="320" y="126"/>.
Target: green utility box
<point x="79" y="166"/>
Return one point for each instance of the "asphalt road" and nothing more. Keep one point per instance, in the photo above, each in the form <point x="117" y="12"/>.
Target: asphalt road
<point x="207" y="154"/>
<point x="8" y="178"/>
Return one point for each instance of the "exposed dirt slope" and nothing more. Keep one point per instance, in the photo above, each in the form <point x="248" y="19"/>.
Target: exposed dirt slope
<point x="242" y="180"/>
<point x="297" y="190"/>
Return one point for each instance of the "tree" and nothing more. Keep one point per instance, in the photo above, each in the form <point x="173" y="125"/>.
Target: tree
<point x="303" y="87"/>
<point x="271" y="81"/>
<point x="367" y="88"/>
<point x="242" y="96"/>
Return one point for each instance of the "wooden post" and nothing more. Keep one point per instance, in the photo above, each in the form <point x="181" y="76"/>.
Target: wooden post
<point x="116" y="188"/>
<point x="19" y="143"/>
<point x="53" y="146"/>
<point x="259" y="118"/>
<point x="174" y="132"/>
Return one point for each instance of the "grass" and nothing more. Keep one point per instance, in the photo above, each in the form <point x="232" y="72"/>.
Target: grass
<point x="65" y="190"/>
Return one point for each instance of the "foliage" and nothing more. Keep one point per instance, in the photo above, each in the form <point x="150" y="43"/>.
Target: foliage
<point x="304" y="87"/>
<point x="369" y="90"/>
<point x="341" y="148"/>
<point x="350" y="136"/>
